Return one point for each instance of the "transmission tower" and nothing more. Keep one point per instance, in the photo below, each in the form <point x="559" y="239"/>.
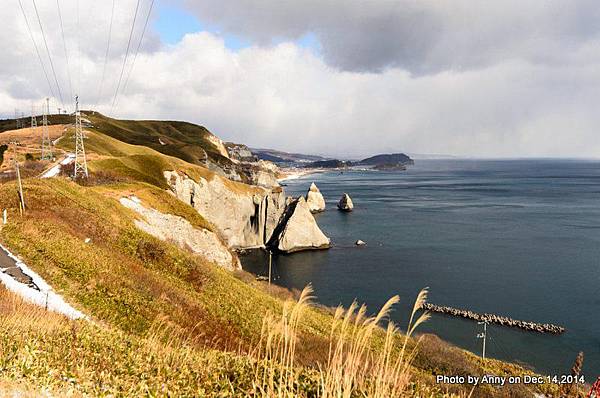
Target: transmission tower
<point x="80" y="161"/>
<point x="17" y="119"/>
<point x="33" y="121"/>
<point x="46" y="143"/>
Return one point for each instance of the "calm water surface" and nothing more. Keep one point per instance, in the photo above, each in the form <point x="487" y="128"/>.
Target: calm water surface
<point x="516" y="238"/>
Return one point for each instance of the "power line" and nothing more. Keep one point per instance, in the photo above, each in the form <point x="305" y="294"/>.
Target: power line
<point x="138" y="46"/>
<point x="112" y="14"/>
<point x="78" y="51"/>
<point x="126" y="55"/>
<point x="62" y="30"/>
<point x="36" y="48"/>
<point x="48" y="51"/>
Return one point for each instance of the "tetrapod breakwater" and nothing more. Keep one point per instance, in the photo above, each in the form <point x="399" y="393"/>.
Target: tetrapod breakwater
<point x="497" y="319"/>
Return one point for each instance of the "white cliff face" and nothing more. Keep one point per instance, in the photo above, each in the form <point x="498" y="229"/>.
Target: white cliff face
<point x="314" y="199"/>
<point x="250" y="216"/>
<point x="265" y="179"/>
<point x="299" y="231"/>
<point x="245" y="217"/>
<point x="216" y="141"/>
<point x="177" y="229"/>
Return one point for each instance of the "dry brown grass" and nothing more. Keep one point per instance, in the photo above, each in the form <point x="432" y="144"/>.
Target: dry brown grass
<point x="26" y="136"/>
<point x="16" y="314"/>
<point x="353" y="366"/>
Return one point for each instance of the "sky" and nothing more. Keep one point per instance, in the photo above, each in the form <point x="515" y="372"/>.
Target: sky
<point x="343" y="78"/>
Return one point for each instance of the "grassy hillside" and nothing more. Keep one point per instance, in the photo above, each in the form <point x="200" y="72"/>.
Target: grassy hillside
<point x="164" y="322"/>
<point x="11" y="124"/>
<point x="183" y="140"/>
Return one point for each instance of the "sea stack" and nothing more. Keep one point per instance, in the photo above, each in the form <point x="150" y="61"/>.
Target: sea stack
<point x="298" y="230"/>
<point x="345" y="203"/>
<point x="314" y="199"/>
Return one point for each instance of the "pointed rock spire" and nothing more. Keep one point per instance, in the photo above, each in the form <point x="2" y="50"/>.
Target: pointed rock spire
<point x="314" y="199"/>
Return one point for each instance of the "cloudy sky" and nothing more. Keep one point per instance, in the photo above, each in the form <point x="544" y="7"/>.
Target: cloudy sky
<point x="339" y="77"/>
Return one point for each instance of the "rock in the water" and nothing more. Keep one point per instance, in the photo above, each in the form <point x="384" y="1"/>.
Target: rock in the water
<point x="360" y="243"/>
<point x="345" y="203"/>
<point x="298" y="230"/>
<point x="314" y="199"/>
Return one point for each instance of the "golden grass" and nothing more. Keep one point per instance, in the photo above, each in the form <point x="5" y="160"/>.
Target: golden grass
<point x="353" y="366"/>
<point x="15" y="314"/>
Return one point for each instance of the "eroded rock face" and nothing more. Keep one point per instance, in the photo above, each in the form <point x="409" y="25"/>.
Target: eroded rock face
<point x="314" y="199"/>
<point x="298" y="230"/>
<point x="250" y="216"/>
<point x="218" y="144"/>
<point x="244" y="215"/>
<point x="345" y="203"/>
<point x="176" y="229"/>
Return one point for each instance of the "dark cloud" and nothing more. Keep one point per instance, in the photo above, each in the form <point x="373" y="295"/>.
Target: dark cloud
<point x="420" y="36"/>
<point x="415" y="77"/>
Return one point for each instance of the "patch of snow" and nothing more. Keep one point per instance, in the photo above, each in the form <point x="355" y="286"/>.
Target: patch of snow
<point x="45" y="297"/>
<point x="55" y="170"/>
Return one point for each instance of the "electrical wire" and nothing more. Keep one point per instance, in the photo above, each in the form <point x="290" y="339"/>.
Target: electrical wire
<point x="62" y="30"/>
<point x="48" y="52"/>
<point x="36" y="49"/>
<point x="137" y="7"/>
<point x="138" y="47"/>
<point x="101" y="88"/>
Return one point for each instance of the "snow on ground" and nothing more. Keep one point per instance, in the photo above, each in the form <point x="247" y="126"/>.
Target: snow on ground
<point x="45" y="297"/>
<point x="55" y="170"/>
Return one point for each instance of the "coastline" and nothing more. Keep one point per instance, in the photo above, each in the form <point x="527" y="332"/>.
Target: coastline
<point x="295" y="173"/>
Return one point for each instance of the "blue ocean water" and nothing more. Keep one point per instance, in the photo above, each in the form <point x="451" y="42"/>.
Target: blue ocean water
<point x="519" y="238"/>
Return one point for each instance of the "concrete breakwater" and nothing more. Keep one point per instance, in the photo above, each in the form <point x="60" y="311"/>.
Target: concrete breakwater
<point x="500" y="320"/>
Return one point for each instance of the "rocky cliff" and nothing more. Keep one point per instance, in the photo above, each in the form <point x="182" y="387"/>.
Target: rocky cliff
<point x="247" y="216"/>
<point x="298" y="230"/>
<point x="177" y="229"/>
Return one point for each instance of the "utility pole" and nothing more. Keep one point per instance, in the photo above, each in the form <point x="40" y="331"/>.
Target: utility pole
<point x="483" y="336"/>
<point x="80" y="160"/>
<point x="270" y="265"/>
<point x="19" y="184"/>
<point x="46" y="143"/>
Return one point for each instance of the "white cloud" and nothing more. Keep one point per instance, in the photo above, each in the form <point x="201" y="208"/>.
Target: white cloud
<point x="287" y="97"/>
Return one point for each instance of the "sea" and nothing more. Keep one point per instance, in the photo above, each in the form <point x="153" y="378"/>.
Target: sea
<point x="518" y="238"/>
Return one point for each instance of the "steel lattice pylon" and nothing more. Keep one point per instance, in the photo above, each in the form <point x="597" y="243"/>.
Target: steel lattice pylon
<point x="80" y="170"/>
<point x="46" y="143"/>
<point x="33" y="120"/>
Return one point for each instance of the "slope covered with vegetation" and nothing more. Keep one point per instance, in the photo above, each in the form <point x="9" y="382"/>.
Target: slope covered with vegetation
<point x="183" y="140"/>
<point x="165" y="322"/>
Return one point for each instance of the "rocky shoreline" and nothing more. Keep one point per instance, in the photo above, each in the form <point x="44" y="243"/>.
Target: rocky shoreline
<point x="500" y="320"/>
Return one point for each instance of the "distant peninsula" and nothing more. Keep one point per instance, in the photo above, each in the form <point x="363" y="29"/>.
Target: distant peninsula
<point x="390" y="161"/>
